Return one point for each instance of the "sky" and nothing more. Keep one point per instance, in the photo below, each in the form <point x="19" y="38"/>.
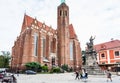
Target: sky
<point x="97" y="18"/>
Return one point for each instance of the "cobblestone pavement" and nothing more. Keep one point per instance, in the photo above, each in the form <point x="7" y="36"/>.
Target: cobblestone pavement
<point x="64" y="78"/>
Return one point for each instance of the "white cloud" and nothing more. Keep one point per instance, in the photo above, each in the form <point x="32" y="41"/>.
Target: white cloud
<point x="100" y="18"/>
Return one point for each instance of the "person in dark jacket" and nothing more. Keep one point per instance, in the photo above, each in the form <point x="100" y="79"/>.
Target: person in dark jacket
<point x="77" y="75"/>
<point x="109" y="75"/>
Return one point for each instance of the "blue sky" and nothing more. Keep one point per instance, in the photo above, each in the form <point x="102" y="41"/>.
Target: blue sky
<point x="99" y="18"/>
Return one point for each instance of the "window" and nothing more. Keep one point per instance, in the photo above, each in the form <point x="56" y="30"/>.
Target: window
<point x="103" y="62"/>
<point x="35" y="44"/>
<point x="60" y="12"/>
<point x="117" y="53"/>
<point x="53" y="61"/>
<point x="71" y="50"/>
<point x="51" y="46"/>
<point x="43" y="47"/>
<point x="65" y="13"/>
<point x="102" y="55"/>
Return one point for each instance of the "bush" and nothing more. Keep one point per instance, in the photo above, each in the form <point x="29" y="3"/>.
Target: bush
<point x="64" y="67"/>
<point x="56" y="70"/>
<point x="45" y="68"/>
<point x="33" y="66"/>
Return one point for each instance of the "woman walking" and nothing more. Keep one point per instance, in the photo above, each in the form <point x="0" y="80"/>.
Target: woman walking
<point x="109" y="76"/>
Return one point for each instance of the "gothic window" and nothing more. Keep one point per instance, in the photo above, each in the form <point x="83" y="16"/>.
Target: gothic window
<point x="53" y="61"/>
<point x="71" y="50"/>
<point x="65" y="13"/>
<point x="35" y="44"/>
<point x="43" y="47"/>
<point x="51" y="46"/>
<point x="117" y="53"/>
<point x="60" y="12"/>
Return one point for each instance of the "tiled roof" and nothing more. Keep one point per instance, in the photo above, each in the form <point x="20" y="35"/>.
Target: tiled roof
<point x="107" y="45"/>
<point x="29" y="20"/>
<point x="72" y="32"/>
<point x="63" y="5"/>
<point x="26" y="22"/>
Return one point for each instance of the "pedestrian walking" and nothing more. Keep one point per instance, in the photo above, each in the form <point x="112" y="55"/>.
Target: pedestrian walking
<point x="17" y="72"/>
<point x="81" y="74"/>
<point x="109" y="76"/>
<point x="77" y="75"/>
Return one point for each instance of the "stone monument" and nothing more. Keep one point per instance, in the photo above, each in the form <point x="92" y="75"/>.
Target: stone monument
<point x="91" y="58"/>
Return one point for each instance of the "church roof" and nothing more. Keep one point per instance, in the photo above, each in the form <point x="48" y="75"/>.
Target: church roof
<point x="107" y="45"/>
<point x="62" y="5"/>
<point x="72" y="32"/>
<point x="27" y="22"/>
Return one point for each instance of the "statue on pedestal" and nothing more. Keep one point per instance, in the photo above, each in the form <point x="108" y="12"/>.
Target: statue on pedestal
<point x="91" y="58"/>
<point x="90" y="52"/>
<point x="90" y="44"/>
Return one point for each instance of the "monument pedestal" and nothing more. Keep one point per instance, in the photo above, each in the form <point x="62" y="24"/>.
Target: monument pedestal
<point x="92" y="66"/>
<point x="94" y="70"/>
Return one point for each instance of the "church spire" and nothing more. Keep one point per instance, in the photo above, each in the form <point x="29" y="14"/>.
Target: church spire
<point x="62" y="1"/>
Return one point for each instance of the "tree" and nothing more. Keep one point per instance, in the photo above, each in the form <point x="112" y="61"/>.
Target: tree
<point x="1" y="61"/>
<point x="4" y="59"/>
<point x="83" y="57"/>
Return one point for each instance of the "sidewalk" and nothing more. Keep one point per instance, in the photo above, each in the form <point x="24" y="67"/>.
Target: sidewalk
<point x="63" y="78"/>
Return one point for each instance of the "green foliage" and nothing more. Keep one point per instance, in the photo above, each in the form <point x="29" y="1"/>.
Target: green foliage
<point x="4" y="59"/>
<point x="1" y="62"/>
<point x="65" y="67"/>
<point x="83" y="52"/>
<point x="33" y="66"/>
<point x="55" y="70"/>
<point x="45" y="68"/>
<point x="83" y="57"/>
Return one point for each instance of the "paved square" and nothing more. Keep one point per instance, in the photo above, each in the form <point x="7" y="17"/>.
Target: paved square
<point x="63" y="78"/>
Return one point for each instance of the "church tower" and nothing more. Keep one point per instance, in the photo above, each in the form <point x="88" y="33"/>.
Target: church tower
<point x="63" y="33"/>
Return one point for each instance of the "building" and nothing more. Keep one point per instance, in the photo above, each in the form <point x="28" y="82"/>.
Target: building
<point x="38" y="42"/>
<point x="108" y="54"/>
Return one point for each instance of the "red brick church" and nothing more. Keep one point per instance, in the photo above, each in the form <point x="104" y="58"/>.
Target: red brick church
<point x="38" y="42"/>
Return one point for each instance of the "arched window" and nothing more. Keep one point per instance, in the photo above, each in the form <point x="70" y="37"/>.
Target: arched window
<point x="35" y="44"/>
<point x="60" y="12"/>
<point x="65" y="13"/>
<point x="43" y="47"/>
<point x="71" y="50"/>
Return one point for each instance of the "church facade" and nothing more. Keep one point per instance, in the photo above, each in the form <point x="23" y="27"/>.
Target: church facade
<point x="38" y="42"/>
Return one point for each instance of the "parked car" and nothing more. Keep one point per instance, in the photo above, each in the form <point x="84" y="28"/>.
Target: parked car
<point x="1" y="76"/>
<point x="9" y="79"/>
<point x="30" y="72"/>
